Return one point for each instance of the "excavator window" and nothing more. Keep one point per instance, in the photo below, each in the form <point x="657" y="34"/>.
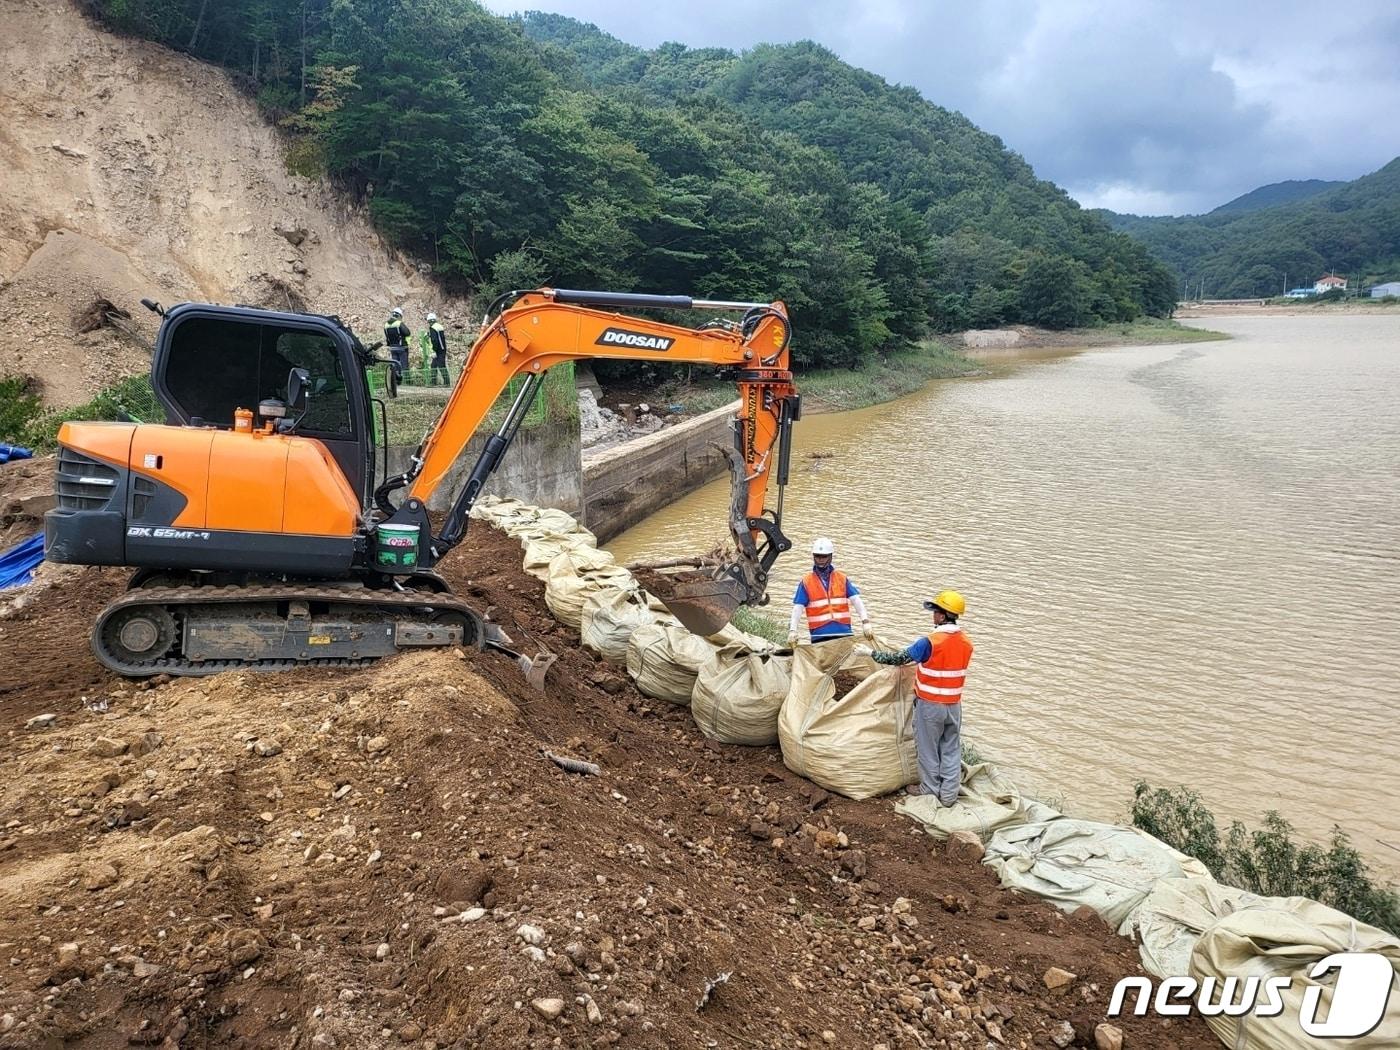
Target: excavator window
<point x="215" y="365"/>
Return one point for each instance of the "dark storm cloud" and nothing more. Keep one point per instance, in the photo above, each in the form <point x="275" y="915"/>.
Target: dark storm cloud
<point x="1148" y="107"/>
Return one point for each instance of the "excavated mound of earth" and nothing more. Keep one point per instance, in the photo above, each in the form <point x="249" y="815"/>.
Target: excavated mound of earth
<point x="384" y="857"/>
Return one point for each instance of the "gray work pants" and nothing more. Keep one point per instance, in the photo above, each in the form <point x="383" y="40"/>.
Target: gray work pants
<point x="938" y="737"/>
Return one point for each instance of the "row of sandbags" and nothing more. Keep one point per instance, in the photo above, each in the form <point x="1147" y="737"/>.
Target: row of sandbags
<point x="740" y="688"/>
<point x="1186" y="924"/>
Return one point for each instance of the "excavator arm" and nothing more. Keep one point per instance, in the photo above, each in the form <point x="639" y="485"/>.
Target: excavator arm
<point x="529" y="332"/>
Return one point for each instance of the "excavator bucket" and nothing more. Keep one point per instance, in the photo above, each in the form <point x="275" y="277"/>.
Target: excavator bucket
<point x="704" y="606"/>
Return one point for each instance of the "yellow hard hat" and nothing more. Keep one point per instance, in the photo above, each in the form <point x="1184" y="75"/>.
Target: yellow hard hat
<point x="948" y="601"/>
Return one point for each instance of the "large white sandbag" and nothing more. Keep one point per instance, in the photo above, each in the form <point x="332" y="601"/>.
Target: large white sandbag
<point x="987" y="801"/>
<point x="664" y="659"/>
<point x="1076" y="862"/>
<point x="738" y="693"/>
<point x="541" y="551"/>
<point x="1288" y="937"/>
<point x="1170" y="921"/>
<point x="609" y="617"/>
<point x="502" y="511"/>
<point x="859" y="745"/>
<point x="576" y="574"/>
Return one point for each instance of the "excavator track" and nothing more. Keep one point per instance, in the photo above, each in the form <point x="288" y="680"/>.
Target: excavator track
<point x="274" y="627"/>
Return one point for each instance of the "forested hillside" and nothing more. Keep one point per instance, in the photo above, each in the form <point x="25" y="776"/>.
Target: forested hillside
<point x="504" y="161"/>
<point x="1351" y="229"/>
<point x="1005" y="246"/>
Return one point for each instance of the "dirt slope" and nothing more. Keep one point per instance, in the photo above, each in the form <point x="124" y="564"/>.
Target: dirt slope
<point x="285" y="860"/>
<point x="127" y="170"/>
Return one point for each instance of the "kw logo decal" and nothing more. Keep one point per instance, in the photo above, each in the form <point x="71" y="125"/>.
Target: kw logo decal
<point x="622" y="337"/>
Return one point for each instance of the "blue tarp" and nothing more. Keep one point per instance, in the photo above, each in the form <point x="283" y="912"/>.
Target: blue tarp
<point x="9" y="452"/>
<point x="17" y="564"/>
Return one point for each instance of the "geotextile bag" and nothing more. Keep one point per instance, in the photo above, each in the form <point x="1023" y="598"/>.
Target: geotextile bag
<point x="609" y="617"/>
<point x="541" y="551"/>
<point x="731" y="635"/>
<point x="1076" y="862"/>
<point x="738" y="693"/>
<point x="1287" y="937"/>
<point x="1175" y="914"/>
<point x="987" y="801"/>
<point x="860" y="744"/>
<point x="664" y="659"/>
<point x="576" y="574"/>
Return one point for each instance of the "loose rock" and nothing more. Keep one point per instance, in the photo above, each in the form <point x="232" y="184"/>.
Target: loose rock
<point x="549" y="1009"/>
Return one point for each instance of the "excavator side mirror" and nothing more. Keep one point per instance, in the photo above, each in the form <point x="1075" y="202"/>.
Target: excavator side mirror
<point x="298" y="382"/>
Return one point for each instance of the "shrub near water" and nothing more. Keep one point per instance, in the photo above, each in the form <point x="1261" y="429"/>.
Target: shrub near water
<point x="1269" y="860"/>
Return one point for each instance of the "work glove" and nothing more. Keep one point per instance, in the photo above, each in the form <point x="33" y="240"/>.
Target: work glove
<point x="792" y="640"/>
<point x="868" y="631"/>
<point x="863" y="650"/>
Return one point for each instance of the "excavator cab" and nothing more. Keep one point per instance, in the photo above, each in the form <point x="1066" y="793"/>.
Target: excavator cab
<point x="211" y="361"/>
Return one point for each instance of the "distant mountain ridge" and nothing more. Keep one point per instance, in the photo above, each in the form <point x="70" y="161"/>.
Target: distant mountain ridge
<point x="1275" y="193"/>
<point x="1350" y="228"/>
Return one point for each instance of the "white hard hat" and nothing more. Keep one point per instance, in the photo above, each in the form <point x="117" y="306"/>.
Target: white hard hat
<point x="823" y="546"/>
<point x="431" y="316"/>
<point x="398" y="311"/>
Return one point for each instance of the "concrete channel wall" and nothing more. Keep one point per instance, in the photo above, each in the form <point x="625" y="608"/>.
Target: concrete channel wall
<point x="625" y="483"/>
<point x="542" y="467"/>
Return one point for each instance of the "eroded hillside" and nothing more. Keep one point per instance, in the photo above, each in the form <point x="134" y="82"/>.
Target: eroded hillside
<point x="128" y="171"/>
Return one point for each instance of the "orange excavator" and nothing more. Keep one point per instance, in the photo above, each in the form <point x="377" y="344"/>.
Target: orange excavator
<point x="260" y="533"/>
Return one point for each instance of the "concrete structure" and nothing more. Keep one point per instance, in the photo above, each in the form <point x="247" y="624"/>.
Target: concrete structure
<point x="542" y="467"/>
<point x="625" y="483"/>
<point x="1299" y="293"/>
<point x="1326" y="284"/>
<point x="1380" y="291"/>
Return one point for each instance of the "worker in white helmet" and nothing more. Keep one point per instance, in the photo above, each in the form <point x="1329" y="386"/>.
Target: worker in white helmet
<point x="827" y="600"/>
<point x="437" y="337"/>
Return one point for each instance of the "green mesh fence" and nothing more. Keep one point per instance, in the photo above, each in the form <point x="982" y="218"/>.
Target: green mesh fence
<point x="420" y="402"/>
<point x="127" y="399"/>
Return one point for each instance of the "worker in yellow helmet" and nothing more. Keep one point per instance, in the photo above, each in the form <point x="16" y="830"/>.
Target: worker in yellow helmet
<point x="943" y="658"/>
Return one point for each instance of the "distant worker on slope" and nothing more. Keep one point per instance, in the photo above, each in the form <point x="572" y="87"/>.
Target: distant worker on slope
<point x="827" y="599"/>
<point x="437" y="337"/>
<point x="943" y="658"/>
<point x="396" y="336"/>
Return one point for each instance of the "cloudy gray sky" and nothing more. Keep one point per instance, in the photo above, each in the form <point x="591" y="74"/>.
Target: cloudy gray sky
<point x="1144" y="106"/>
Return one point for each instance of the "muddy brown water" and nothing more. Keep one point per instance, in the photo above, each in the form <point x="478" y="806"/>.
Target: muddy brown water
<point x="1181" y="562"/>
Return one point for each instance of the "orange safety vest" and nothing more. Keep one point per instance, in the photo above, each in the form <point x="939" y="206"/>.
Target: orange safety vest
<point x="940" y="678"/>
<point x="826" y="606"/>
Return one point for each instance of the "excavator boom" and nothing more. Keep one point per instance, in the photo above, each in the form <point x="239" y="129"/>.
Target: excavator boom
<point x="532" y="331"/>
